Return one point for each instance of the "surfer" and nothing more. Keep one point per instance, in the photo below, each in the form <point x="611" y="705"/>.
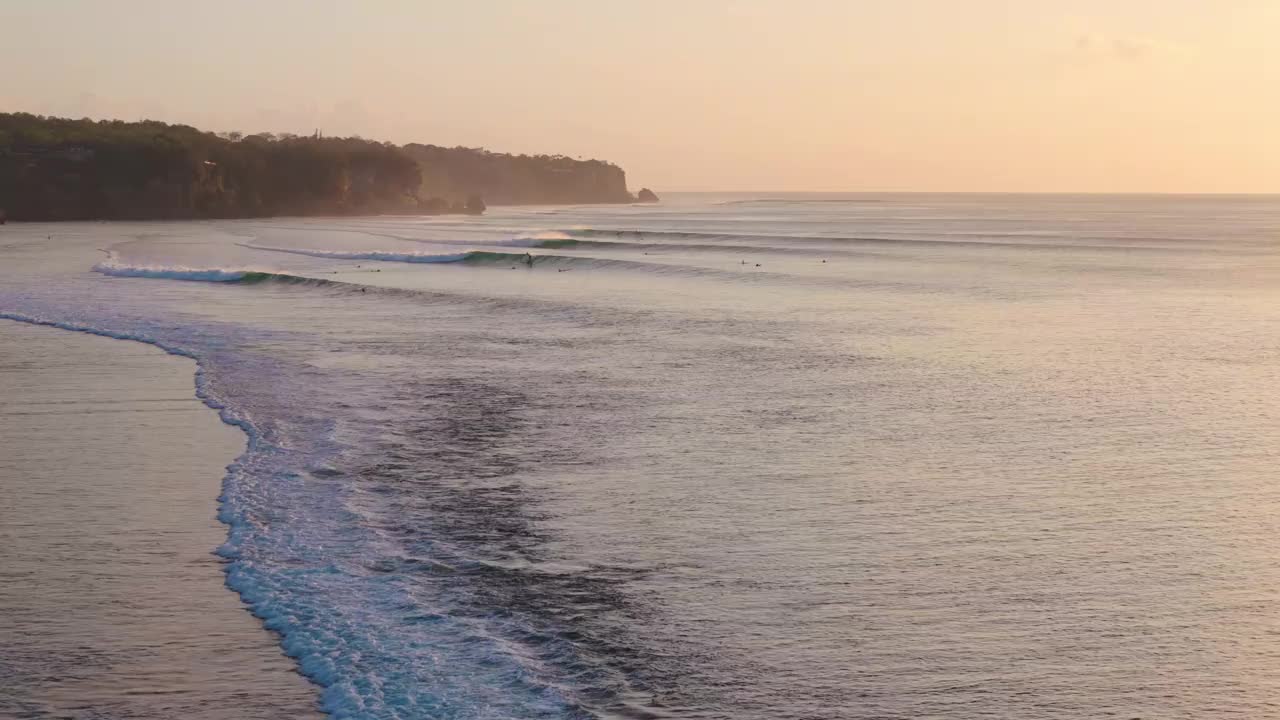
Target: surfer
<point x="528" y="259"/>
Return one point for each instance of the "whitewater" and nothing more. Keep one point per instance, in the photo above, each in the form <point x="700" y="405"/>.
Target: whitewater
<point x="731" y="456"/>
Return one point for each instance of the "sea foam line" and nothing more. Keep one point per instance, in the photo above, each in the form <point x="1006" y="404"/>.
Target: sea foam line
<point x="115" y="269"/>
<point x="236" y="524"/>
<point x="345" y="690"/>
<point x="255" y="441"/>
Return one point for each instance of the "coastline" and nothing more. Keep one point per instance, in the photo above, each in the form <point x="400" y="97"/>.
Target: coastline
<point x="113" y="603"/>
<point x="327" y="215"/>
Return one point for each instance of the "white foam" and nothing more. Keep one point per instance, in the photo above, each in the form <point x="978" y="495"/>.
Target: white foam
<point x="116" y="269"/>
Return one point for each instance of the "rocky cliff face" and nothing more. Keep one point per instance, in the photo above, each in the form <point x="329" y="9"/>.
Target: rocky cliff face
<point x="117" y="183"/>
<point x="503" y="179"/>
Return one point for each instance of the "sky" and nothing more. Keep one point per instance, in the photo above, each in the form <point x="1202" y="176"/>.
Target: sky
<point x="764" y="95"/>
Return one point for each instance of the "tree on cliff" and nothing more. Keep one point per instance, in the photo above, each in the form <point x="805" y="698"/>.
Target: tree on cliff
<point x="55" y="169"/>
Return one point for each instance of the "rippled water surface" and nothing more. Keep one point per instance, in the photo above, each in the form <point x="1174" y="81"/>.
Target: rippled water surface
<point x="896" y="456"/>
<point x="112" y="606"/>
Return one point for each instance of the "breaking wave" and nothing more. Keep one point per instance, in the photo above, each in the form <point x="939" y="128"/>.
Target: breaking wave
<point x="179" y="273"/>
<point x="212" y="275"/>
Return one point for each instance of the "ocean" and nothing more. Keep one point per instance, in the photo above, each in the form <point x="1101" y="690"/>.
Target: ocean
<point x="732" y="456"/>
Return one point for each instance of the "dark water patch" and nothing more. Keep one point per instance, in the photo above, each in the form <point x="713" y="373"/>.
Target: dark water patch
<point x="451" y="486"/>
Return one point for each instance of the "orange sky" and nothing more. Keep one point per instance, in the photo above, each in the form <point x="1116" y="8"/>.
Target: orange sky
<point x="975" y="95"/>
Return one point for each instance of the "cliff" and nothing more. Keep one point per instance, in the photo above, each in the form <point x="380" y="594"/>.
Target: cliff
<point x="517" y="179"/>
<point x="58" y="169"/>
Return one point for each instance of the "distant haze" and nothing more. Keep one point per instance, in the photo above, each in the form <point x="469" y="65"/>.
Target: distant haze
<point x="964" y="95"/>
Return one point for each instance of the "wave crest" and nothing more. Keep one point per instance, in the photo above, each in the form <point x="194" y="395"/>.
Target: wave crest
<point x="175" y="273"/>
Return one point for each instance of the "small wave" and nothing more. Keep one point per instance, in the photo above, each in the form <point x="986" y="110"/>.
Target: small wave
<point x="568" y="262"/>
<point x="500" y="260"/>
<point x="798" y="201"/>
<point x="213" y="275"/>
<point x="713" y="248"/>
<point x="546" y="236"/>
<point x="548" y="239"/>
<point x="524" y="239"/>
<point x="376" y="255"/>
<point x="708" y="236"/>
<point x="1014" y="241"/>
<point x="474" y="257"/>
<point x="567" y="242"/>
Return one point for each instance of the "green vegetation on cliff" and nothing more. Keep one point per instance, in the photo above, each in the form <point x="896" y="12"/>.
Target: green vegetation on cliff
<point x="58" y="169"/>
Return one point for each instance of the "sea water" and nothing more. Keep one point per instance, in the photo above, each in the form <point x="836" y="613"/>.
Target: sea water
<point x="749" y="457"/>
<point x="112" y="605"/>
